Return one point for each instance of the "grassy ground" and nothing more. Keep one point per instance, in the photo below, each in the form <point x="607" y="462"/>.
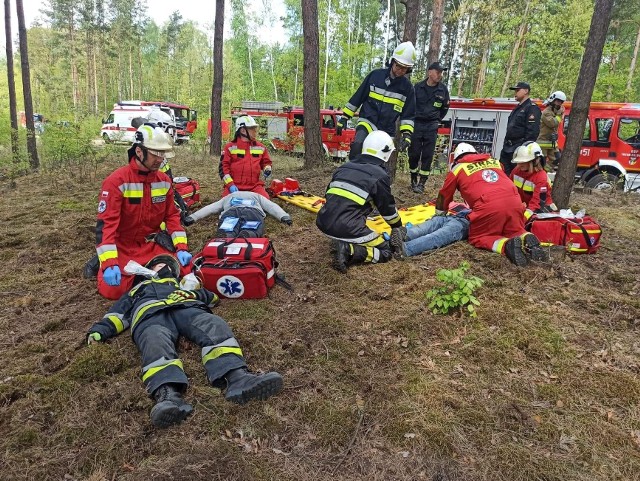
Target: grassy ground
<point x="542" y="385"/>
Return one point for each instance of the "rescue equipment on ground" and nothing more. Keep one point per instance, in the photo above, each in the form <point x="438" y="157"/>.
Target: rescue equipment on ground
<point x="189" y="190"/>
<point x="580" y="235"/>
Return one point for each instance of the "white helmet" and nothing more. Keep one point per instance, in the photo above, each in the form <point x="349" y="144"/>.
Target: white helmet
<point x="159" y="117"/>
<point x="527" y="152"/>
<point x="461" y="149"/>
<point x="405" y="54"/>
<point x="245" y="121"/>
<point x="155" y="139"/>
<point x="378" y="144"/>
<point x="557" y="95"/>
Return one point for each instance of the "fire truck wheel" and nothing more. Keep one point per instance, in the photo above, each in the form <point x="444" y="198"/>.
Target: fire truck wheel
<point x="605" y="181"/>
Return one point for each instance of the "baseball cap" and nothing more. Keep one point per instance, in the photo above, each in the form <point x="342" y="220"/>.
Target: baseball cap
<point x="521" y="85"/>
<point x="437" y="66"/>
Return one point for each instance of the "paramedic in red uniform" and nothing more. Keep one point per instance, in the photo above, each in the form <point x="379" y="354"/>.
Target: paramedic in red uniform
<point x="496" y="220"/>
<point x="244" y="159"/>
<point x="133" y="203"/>
<point x="532" y="180"/>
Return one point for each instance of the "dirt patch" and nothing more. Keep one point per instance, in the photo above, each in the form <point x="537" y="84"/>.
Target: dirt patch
<point x="542" y="385"/>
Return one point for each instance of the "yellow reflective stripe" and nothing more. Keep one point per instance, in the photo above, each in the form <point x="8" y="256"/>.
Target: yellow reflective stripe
<point x="385" y="99"/>
<point x="579" y="231"/>
<point x="498" y="245"/>
<point x="133" y="291"/>
<point x="219" y="351"/>
<point x="348" y="111"/>
<point x="366" y="125"/>
<point x="528" y="186"/>
<point x="406" y="128"/>
<point x="237" y="151"/>
<point x="144" y="309"/>
<point x="257" y="150"/>
<point x="528" y="213"/>
<point x="227" y="179"/>
<point x="155" y="370"/>
<point x="117" y="323"/>
<point x="518" y="181"/>
<point x="159" y="192"/>
<point x="349" y="195"/>
<point x="111" y="254"/>
<point x="375" y="242"/>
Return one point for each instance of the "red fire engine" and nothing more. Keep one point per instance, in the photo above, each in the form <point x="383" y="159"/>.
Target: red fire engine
<point x="284" y="127"/>
<point x="610" y="147"/>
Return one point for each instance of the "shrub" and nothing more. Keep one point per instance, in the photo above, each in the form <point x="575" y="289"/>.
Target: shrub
<point x="455" y="292"/>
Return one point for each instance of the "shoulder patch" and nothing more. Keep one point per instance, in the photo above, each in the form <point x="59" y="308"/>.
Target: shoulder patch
<point x="102" y="206"/>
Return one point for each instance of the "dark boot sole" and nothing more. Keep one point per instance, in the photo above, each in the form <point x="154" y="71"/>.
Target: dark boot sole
<point x="265" y="387"/>
<point x="534" y="250"/>
<point x="167" y="414"/>
<point x="514" y="251"/>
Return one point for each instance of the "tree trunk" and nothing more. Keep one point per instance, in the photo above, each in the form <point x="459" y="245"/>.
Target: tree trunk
<point x="216" y="91"/>
<point x="326" y="56"/>
<point x="436" y="31"/>
<point x="482" y="70"/>
<point x="313" y="152"/>
<point x="581" y="100"/>
<point x="13" y="109"/>
<point x="34" y="162"/>
<point x="463" y="62"/>
<point x="516" y="46"/>
<point x="632" y="67"/>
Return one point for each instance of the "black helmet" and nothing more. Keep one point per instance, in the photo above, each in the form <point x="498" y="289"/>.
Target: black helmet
<point x="171" y="263"/>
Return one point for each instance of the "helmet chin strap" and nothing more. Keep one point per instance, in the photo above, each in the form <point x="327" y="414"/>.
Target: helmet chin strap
<point x="144" y="158"/>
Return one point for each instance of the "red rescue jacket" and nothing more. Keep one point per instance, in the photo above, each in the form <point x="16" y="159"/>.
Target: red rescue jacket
<point x="534" y="189"/>
<point x="477" y="177"/>
<point x="132" y="205"/>
<point x="243" y="162"/>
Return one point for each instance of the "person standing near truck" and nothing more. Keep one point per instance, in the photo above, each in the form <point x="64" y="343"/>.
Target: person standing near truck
<point x="432" y="104"/>
<point x="549" y="123"/>
<point x="523" y="125"/>
<point x="384" y="95"/>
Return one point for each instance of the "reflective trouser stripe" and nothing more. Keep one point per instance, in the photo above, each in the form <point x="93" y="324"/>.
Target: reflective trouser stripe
<point x="498" y="246"/>
<point x="348" y="195"/>
<point x="154" y="368"/>
<point x="216" y="352"/>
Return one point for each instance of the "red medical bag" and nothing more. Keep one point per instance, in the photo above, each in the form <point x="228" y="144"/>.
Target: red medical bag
<point x="579" y="235"/>
<point x="237" y="268"/>
<point x="189" y="189"/>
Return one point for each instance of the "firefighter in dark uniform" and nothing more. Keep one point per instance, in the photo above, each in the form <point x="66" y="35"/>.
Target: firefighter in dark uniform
<point x="384" y="95"/>
<point x="432" y="104"/>
<point x="523" y="125"/>
<point x="355" y="189"/>
<point x="158" y="312"/>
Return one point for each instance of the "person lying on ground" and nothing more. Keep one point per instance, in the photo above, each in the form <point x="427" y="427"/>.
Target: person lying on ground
<point x="439" y="231"/>
<point x="242" y="214"/>
<point x="158" y="312"/>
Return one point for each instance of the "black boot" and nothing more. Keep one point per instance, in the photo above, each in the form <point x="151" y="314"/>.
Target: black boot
<point x="533" y="250"/>
<point x="91" y="268"/>
<point x="514" y="251"/>
<point x="243" y="386"/>
<point x="398" y="236"/>
<point x="343" y="252"/>
<point x="170" y="408"/>
<point x="414" y="181"/>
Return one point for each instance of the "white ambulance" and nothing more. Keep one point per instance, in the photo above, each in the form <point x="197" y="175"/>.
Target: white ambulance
<point x="117" y="127"/>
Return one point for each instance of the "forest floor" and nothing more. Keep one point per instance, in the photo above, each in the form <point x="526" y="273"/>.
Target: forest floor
<point x="543" y="385"/>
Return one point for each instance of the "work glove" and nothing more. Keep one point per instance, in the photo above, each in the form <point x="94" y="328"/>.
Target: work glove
<point x="441" y="213"/>
<point x="184" y="257"/>
<point x="181" y="295"/>
<point x="233" y="188"/>
<point x="267" y="172"/>
<point x="287" y="220"/>
<point x="405" y="142"/>
<point x="112" y="276"/>
<point x="342" y="124"/>
<point x="94" y="337"/>
<point x="188" y="220"/>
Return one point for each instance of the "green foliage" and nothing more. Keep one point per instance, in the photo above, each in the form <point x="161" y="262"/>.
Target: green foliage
<point x="455" y="292"/>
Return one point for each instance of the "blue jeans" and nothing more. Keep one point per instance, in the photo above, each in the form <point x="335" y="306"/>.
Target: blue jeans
<point x="434" y="233"/>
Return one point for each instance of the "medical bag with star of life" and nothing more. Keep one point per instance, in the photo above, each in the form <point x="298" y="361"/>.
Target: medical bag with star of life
<point x="238" y="268"/>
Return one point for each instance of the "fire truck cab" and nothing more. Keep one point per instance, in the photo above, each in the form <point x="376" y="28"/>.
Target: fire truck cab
<point x="610" y="146"/>
<point x="283" y="127"/>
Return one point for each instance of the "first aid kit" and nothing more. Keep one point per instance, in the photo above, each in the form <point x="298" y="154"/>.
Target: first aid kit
<point x="580" y="235"/>
<point x="237" y="268"/>
<point x="189" y="189"/>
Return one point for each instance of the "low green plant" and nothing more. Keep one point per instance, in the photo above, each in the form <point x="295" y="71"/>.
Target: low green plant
<point x="456" y="291"/>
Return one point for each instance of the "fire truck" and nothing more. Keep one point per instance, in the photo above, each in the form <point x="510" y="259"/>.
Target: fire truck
<point x="283" y="127"/>
<point x="610" y="151"/>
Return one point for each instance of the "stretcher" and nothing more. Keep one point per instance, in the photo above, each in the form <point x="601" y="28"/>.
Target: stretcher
<point x="289" y="191"/>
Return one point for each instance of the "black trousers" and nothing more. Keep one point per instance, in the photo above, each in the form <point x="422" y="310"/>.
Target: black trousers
<point x="423" y="144"/>
<point x="506" y="155"/>
<point x="356" y="145"/>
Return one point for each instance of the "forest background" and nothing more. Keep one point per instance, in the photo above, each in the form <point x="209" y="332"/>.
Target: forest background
<point x="86" y="55"/>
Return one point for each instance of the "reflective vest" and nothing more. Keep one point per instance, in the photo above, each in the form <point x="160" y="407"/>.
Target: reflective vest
<point x="243" y="162"/>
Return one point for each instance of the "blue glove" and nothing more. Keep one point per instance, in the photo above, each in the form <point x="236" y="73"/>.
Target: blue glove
<point x="266" y="172"/>
<point x="184" y="257"/>
<point x="112" y="276"/>
<point x="233" y="188"/>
